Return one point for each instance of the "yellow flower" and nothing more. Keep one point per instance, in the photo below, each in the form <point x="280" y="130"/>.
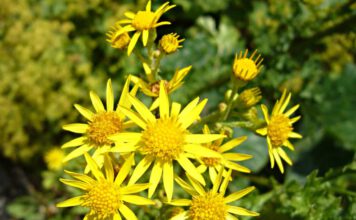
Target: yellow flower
<point x="212" y="204"/>
<point x="226" y="159"/>
<point x="118" y="41"/>
<point x="143" y="22"/>
<point x="249" y="98"/>
<point x="170" y="43"/>
<point x="165" y="139"/>
<point x="54" y="158"/>
<point x="104" y="195"/>
<point x="246" y="69"/>
<point x="279" y="128"/>
<point x="101" y="124"/>
<point x="152" y="89"/>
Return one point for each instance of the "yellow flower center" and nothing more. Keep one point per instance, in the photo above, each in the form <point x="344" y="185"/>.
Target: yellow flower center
<point x="245" y="69"/>
<point x="103" y="198"/>
<point x="103" y="125"/>
<point x="278" y="129"/>
<point x="144" y="20"/>
<point x="210" y="206"/>
<point x="169" y="43"/>
<point x="211" y="161"/>
<point x="163" y="139"/>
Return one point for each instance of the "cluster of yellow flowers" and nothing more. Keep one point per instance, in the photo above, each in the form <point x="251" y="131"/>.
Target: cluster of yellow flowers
<point x="161" y="138"/>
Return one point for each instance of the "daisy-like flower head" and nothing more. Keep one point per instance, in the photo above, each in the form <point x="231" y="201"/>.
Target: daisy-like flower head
<point x="249" y="98"/>
<point x="212" y="204"/>
<point x="143" y="22"/>
<point x="54" y="158"/>
<point x="101" y="123"/>
<point x="104" y="194"/>
<point x="165" y="139"/>
<point x="152" y="89"/>
<point x="279" y="129"/>
<point x="118" y="41"/>
<point x="226" y="160"/>
<point x="169" y="43"/>
<point x="246" y="68"/>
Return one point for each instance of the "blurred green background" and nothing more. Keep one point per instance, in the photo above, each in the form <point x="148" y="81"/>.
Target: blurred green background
<point x="53" y="52"/>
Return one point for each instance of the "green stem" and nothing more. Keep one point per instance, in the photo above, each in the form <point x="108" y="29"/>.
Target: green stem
<point x="231" y="101"/>
<point x="214" y="116"/>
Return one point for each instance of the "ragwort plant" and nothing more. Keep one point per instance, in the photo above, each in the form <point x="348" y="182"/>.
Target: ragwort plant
<point x="123" y="141"/>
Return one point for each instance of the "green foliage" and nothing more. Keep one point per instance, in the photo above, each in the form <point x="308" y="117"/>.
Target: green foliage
<point x="52" y="53"/>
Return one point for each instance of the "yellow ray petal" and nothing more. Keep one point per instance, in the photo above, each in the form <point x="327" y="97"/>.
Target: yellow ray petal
<point x="148" y="6"/>
<point x="295" y="119"/>
<point x="137" y="200"/>
<point x="140" y="169"/>
<point x="127" y="213"/>
<point x="289" y="145"/>
<point x="77" y="152"/>
<point x="133" y="116"/>
<point x="180" y="216"/>
<point x="84" y="111"/>
<point x="74" y="143"/>
<point x="124" y="101"/>
<point x="291" y="110"/>
<point x="124" y="148"/>
<point x="237" y="156"/>
<point x="81" y="177"/>
<point x="124" y="171"/>
<point x="145" y="37"/>
<point x="225" y="183"/>
<point x="200" y="151"/>
<point x="262" y="131"/>
<point x="278" y="160"/>
<point x="133" y="42"/>
<point x="116" y="216"/>
<point x="75" y="201"/>
<point x="168" y="180"/>
<point x="189" y="108"/>
<point x="239" y="194"/>
<point x="186" y="186"/>
<point x="241" y="211"/>
<point x="76" y="184"/>
<point x="202" y="138"/>
<point x="265" y="113"/>
<point x="294" y="135"/>
<point x="109" y="97"/>
<point x="125" y="137"/>
<point x="231" y="144"/>
<point x="163" y="101"/>
<point x="180" y="202"/>
<point x="285" y="104"/>
<point x="130" y="14"/>
<point x="93" y="167"/>
<point x="231" y="217"/>
<point x="284" y="156"/>
<point x="193" y="115"/>
<point x="76" y="128"/>
<point x="175" y="109"/>
<point x="144" y="112"/>
<point x="236" y="167"/>
<point x="212" y="174"/>
<point x="109" y="170"/>
<point x="162" y="23"/>
<point x="190" y="169"/>
<point x="216" y="183"/>
<point x="196" y="185"/>
<point x="96" y="101"/>
<point x="134" y="188"/>
<point x="155" y="177"/>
